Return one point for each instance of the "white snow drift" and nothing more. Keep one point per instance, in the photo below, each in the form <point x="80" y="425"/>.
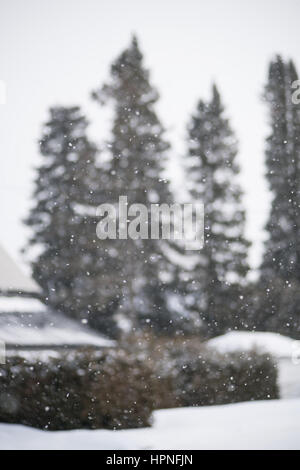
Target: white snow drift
<point x="277" y="345"/>
<point x="273" y="424"/>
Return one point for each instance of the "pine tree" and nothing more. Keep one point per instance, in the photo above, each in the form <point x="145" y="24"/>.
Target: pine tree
<point x="68" y="267"/>
<point x="282" y="250"/>
<point x="280" y="269"/>
<point x="217" y="276"/>
<point x="138" y="150"/>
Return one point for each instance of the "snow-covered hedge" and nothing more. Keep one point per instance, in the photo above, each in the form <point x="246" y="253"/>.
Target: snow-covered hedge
<point x="189" y="374"/>
<point x="83" y="390"/>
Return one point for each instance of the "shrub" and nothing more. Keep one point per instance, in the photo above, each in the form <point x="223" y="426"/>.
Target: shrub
<point x="80" y="390"/>
<point x="210" y="379"/>
<point x="118" y="388"/>
<point x="188" y="374"/>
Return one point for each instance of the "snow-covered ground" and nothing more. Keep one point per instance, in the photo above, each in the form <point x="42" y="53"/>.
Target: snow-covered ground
<point x="253" y="425"/>
<point x="256" y="425"/>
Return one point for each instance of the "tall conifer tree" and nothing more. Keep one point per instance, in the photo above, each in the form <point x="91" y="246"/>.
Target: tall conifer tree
<point x="278" y="308"/>
<point x="282" y="250"/>
<point x="68" y="265"/>
<point x="143" y="275"/>
<point x="222" y="264"/>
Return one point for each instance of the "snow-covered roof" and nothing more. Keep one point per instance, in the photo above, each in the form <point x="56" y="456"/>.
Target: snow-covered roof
<point x="11" y="276"/>
<point x="272" y="343"/>
<point x="20" y="304"/>
<point x="28" y="323"/>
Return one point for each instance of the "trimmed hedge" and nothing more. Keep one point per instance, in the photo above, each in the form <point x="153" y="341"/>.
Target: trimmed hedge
<point x="83" y="390"/>
<point x="209" y="379"/>
<point x="119" y="388"/>
<point x="188" y="374"/>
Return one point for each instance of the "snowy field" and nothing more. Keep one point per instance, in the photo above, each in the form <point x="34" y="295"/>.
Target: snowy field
<point x="257" y="425"/>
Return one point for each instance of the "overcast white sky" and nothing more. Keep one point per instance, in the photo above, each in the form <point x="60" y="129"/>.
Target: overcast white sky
<point x="56" y="51"/>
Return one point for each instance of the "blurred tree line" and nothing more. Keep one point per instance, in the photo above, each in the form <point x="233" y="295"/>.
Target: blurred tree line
<point x="114" y="285"/>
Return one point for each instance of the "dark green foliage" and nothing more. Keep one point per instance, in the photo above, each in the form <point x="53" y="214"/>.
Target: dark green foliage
<point x="278" y="306"/>
<point x="207" y="378"/>
<point x="215" y="283"/>
<point x="82" y="390"/>
<point x="282" y="249"/>
<point x="137" y="270"/>
<point x="68" y="267"/>
<point x="275" y="306"/>
<point x="187" y="373"/>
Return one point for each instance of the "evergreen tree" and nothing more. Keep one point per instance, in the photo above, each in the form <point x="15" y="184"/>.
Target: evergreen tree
<point x="68" y="267"/>
<point x="221" y="266"/>
<point x="142" y="274"/>
<point x="282" y="250"/>
<point x="280" y="269"/>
